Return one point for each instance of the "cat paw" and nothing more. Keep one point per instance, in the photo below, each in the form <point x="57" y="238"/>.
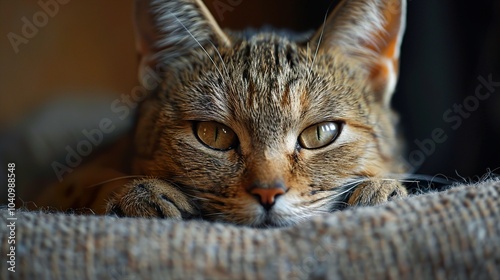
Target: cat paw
<point x="151" y="198"/>
<point x="376" y="191"/>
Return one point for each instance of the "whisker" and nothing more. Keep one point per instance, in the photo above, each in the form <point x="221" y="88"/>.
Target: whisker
<point x="308" y="52"/>
<point x="220" y="214"/>
<point x="198" y="42"/>
<point x="343" y="203"/>
<point x="220" y="57"/>
<point x="333" y="201"/>
<point x="421" y="177"/>
<point x="354" y="183"/>
<point x="116" y="179"/>
<point x="319" y="40"/>
<point x="347" y="191"/>
<point x="196" y="197"/>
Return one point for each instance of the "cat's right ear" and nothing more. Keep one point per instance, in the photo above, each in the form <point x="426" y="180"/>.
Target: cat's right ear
<point x="369" y="32"/>
<point x="167" y="30"/>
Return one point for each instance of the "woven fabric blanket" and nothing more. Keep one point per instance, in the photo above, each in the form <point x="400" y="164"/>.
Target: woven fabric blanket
<point x="448" y="235"/>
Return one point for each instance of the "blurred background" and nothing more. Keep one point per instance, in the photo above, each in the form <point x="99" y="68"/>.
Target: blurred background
<point x="63" y="62"/>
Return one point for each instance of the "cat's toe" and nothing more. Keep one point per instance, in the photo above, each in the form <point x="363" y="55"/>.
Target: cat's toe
<point x="376" y="191"/>
<point x="151" y="198"/>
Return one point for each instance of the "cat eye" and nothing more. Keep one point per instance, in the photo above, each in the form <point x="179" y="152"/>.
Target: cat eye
<point x="216" y="135"/>
<point x="319" y="135"/>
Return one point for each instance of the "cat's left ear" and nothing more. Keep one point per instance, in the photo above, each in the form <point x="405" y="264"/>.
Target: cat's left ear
<point x="369" y="32"/>
<point x="167" y="30"/>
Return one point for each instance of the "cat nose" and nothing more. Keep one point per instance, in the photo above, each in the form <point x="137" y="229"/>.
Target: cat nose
<point x="267" y="196"/>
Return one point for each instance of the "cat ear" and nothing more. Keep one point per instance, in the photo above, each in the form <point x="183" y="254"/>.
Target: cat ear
<point x="168" y="29"/>
<point x="370" y="32"/>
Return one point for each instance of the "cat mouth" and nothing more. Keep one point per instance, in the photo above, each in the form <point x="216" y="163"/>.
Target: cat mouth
<point x="272" y="224"/>
<point x="270" y="219"/>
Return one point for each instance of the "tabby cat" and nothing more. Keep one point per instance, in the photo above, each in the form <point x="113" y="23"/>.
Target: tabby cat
<point x="253" y="128"/>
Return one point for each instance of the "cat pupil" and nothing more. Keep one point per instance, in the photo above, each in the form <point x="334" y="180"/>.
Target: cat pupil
<point x="319" y="135"/>
<point x="215" y="135"/>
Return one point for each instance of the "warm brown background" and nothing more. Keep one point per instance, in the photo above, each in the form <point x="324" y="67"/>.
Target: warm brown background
<point x="88" y="46"/>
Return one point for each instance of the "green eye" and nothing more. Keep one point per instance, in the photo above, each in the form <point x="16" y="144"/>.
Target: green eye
<point x="216" y="135"/>
<point x="319" y="135"/>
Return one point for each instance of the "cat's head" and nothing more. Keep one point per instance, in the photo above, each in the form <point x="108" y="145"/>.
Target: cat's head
<point x="258" y="128"/>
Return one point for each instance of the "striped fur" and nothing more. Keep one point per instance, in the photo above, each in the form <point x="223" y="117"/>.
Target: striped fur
<point x="268" y="88"/>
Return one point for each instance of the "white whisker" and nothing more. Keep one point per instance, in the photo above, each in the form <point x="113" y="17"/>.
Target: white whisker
<point x="319" y="41"/>
<point x="220" y="57"/>
<point x="422" y="177"/>
<point x="198" y="42"/>
<point x="116" y="179"/>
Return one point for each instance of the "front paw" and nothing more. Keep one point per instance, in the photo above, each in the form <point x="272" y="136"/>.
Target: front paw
<point x="376" y="191"/>
<point x="151" y="198"/>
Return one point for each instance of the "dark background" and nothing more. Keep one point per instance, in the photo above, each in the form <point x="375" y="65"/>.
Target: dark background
<point x="448" y="45"/>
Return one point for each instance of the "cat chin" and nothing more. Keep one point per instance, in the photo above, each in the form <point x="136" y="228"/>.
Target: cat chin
<point x="255" y="216"/>
<point x="275" y="217"/>
<point x="269" y="220"/>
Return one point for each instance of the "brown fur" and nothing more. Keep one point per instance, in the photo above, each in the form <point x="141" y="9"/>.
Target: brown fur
<point x="267" y="88"/>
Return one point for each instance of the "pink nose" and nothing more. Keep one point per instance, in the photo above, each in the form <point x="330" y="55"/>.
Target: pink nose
<point x="267" y="196"/>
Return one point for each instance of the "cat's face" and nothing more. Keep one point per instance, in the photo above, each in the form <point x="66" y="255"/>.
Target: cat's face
<point x="261" y="130"/>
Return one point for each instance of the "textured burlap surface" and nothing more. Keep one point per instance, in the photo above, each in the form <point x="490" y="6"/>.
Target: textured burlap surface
<point x="449" y="235"/>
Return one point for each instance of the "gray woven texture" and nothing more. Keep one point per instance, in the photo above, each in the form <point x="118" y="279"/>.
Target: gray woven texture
<point x="449" y="235"/>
